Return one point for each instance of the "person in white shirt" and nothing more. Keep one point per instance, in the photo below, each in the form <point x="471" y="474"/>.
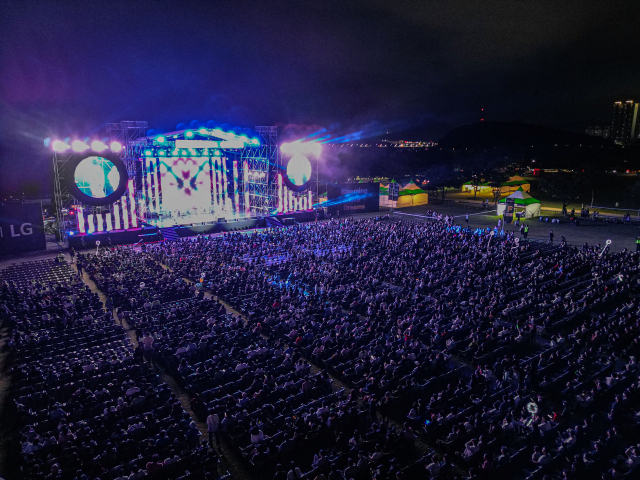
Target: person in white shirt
<point x="434" y="467"/>
<point x="633" y="459"/>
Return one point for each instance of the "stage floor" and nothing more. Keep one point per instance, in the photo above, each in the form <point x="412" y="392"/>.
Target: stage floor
<point x="193" y="219"/>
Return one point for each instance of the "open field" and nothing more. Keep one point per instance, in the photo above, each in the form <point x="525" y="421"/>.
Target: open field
<point x="621" y="236"/>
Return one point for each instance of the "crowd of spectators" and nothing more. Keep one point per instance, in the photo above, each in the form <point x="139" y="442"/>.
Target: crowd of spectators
<point x="85" y="406"/>
<point x="508" y="358"/>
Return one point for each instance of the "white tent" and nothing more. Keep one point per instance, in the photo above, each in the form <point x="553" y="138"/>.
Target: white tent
<point x="523" y="200"/>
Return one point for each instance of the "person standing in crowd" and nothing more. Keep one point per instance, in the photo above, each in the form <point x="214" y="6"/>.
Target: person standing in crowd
<point x="147" y="344"/>
<point x="466" y="218"/>
<point x="213" y="427"/>
<point x="551" y="236"/>
<point x="526" y="231"/>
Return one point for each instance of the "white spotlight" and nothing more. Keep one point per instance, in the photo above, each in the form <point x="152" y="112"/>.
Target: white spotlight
<point x="79" y="146"/>
<point x="59" y="146"/>
<point x="98" y="146"/>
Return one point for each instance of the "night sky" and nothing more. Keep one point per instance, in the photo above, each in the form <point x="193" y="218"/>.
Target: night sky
<point x="415" y="68"/>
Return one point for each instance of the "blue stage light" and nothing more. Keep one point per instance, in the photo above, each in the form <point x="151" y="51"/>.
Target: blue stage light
<point x="162" y="153"/>
<point x="160" y="139"/>
<point x="202" y="131"/>
<point x="71" y="233"/>
<point x="148" y="152"/>
<point x="188" y="134"/>
<point x="255" y="141"/>
<point x="217" y="153"/>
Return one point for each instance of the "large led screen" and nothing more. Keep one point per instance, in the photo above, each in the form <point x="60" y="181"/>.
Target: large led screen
<point x="96" y="177"/>
<point x="185" y="183"/>
<point x="299" y="170"/>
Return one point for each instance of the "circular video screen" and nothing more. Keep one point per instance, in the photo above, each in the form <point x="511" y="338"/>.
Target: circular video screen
<point x="97" y="177"/>
<point x="299" y="170"/>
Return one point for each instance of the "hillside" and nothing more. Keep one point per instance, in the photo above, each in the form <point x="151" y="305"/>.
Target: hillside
<point x="505" y="134"/>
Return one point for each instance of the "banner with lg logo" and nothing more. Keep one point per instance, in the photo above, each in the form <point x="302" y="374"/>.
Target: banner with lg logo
<point x="21" y="229"/>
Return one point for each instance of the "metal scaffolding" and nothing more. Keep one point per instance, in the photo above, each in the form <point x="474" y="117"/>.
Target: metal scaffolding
<point x="264" y="164"/>
<point x="125" y="133"/>
<point x="62" y="197"/>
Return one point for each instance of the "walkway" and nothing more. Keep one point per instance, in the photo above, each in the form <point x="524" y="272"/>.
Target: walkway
<point x="228" y="460"/>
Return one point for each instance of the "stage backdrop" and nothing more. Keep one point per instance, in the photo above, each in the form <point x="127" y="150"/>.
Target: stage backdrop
<point x="350" y="198"/>
<point x="186" y="183"/>
<point x="21" y="229"/>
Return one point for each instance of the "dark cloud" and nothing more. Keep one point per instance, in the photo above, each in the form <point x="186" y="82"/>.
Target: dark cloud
<point x="348" y="66"/>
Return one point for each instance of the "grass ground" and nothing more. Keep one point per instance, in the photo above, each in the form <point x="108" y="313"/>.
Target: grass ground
<point x="593" y="233"/>
<point x="613" y="189"/>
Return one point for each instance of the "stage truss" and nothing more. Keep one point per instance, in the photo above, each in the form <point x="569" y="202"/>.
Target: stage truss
<point x="125" y="133"/>
<point x="263" y="164"/>
<point x="252" y="167"/>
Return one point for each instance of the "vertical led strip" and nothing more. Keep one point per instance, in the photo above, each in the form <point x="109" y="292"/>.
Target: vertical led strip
<point x="225" y="200"/>
<point x="107" y="218"/>
<point x="125" y="212"/>
<point x="214" y="188"/>
<point x="91" y="226"/>
<point x="99" y="222"/>
<point x="157" y="183"/>
<point x="132" y="203"/>
<point x="247" y="207"/>
<point x="236" y="192"/>
<point x="303" y="202"/>
<point x="150" y="187"/>
<point x="280" y="199"/>
<point x="81" y="227"/>
<point x="290" y="209"/>
<point x="310" y="201"/>
<point x="116" y="216"/>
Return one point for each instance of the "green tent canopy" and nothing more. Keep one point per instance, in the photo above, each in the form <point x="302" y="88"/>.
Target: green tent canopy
<point x="521" y="199"/>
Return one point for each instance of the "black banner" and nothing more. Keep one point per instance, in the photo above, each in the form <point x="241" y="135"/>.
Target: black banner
<point x="509" y="209"/>
<point x="21" y="229"/>
<point x="348" y="198"/>
<point x="394" y="192"/>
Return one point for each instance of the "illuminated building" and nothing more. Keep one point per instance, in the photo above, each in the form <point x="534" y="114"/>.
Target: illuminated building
<point x="624" y="122"/>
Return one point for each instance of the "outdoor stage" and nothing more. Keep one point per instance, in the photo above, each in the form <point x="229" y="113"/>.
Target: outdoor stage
<point x="154" y="234"/>
<point x="195" y="181"/>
